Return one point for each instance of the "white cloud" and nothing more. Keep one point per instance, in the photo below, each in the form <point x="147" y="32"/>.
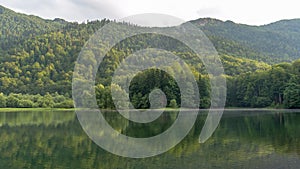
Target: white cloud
<point x="250" y="12"/>
<point x="72" y="10"/>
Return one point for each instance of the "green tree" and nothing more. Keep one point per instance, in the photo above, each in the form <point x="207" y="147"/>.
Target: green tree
<point x="292" y="96"/>
<point x="12" y="101"/>
<point x="46" y="101"/>
<point x="173" y="104"/>
<point x="2" y="100"/>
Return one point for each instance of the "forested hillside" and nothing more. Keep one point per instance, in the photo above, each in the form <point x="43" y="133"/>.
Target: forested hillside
<point x="37" y="57"/>
<point x="16" y="28"/>
<point x="272" y="43"/>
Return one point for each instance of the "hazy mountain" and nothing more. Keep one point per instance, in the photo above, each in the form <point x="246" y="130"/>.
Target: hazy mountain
<point x="272" y="43"/>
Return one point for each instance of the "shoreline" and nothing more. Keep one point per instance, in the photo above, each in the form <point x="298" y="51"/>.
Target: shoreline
<point x="167" y="109"/>
<point x="34" y="109"/>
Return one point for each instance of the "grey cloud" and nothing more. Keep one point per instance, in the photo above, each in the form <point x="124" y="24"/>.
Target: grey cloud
<point x="74" y="10"/>
<point x="96" y="7"/>
<point x="29" y="5"/>
<point x="208" y="12"/>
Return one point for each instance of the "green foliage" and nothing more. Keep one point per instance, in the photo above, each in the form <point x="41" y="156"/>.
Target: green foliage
<point x="173" y="104"/>
<point x="144" y="83"/>
<point x="276" y="86"/>
<point x="292" y="96"/>
<point x="37" y="55"/>
<point x="33" y="101"/>
<point x="103" y="97"/>
<point x="46" y="101"/>
<point x="16" y="28"/>
<point x="38" y="58"/>
<point x="273" y="43"/>
<point x="2" y="100"/>
<point x="235" y="66"/>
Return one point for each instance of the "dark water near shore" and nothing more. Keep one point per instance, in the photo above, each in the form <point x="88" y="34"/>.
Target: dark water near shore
<point x="244" y="139"/>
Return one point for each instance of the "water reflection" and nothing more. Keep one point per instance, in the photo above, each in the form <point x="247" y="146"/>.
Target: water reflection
<point x="242" y="140"/>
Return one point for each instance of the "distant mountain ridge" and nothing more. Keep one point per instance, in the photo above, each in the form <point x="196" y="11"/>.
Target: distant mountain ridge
<point x="272" y="43"/>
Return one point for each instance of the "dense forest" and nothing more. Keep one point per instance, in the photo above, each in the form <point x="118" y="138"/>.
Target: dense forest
<point x="37" y="58"/>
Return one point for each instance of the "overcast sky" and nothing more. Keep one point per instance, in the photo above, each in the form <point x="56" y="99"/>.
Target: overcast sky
<point x="254" y="12"/>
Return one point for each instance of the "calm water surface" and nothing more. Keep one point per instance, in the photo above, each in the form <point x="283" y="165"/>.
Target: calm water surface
<point x="244" y="139"/>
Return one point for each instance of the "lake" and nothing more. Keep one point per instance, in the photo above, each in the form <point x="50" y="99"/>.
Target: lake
<point x="244" y="139"/>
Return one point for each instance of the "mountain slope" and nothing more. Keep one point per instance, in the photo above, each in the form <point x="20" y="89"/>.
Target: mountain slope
<point x="37" y="56"/>
<point x="16" y="27"/>
<point x="271" y="43"/>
